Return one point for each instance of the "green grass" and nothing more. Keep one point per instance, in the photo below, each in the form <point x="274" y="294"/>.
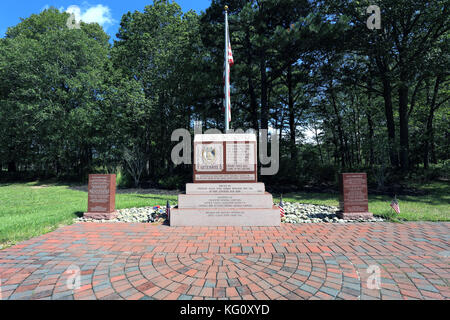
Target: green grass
<point x="31" y="209"/>
<point x="434" y="206"/>
<point x="28" y="210"/>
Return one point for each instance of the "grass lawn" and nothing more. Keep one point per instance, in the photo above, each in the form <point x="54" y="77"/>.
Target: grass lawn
<point x="435" y="206"/>
<point x="28" y="210"/>
<point x="31" y="209"/>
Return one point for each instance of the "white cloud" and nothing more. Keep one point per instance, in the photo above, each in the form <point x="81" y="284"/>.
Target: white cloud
<point x="98" y="13"/>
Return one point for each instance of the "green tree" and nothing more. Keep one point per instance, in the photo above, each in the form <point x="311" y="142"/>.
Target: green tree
<point x="160" y="49"/>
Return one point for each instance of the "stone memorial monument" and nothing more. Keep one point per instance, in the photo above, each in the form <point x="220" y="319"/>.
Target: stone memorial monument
<point x="354" y="201"/>
<point x="225" y="191"/>
<point x="101" y="197"/>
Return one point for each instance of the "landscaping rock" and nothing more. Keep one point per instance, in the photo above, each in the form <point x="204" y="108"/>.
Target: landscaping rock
<point x="294" y="213"/>
<point x="135" y="215"/>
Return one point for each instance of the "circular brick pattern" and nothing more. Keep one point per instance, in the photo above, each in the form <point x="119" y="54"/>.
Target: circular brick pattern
<point x="50" y="266"/>
<point x="226" y="276"/>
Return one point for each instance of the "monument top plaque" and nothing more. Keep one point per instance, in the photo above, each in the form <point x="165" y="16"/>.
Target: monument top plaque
<point x="225" y="137"/>
<point x="225" y="158"/>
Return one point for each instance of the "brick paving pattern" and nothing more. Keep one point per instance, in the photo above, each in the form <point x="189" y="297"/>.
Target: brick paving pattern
<point x="295" y="262"/>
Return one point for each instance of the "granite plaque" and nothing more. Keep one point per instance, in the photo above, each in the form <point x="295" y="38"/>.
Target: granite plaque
<point x="101" y="196"/>
<point x="354" y="201"/>
<point x="225" y="158"/>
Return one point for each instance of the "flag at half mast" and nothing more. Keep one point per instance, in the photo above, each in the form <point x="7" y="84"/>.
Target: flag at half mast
<point x="226" y="73"/>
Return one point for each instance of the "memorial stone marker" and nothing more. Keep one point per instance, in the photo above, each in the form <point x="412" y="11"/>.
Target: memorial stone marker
<point x="354" y="202"/>
<point x="225" y="191"/>
<point x="101" y="197"/>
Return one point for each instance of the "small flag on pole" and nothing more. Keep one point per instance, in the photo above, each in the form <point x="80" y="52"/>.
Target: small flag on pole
<point x="280" y="206"/>
<point x="395" y="205"/>
<point x="168" y="210"/>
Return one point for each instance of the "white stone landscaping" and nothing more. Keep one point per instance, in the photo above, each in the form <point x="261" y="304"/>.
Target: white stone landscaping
<point x="295" y="213"/>
<point x="310" y="213"/>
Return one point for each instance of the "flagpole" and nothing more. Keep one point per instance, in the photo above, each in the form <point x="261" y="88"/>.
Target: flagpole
<point x="227" y="73"/>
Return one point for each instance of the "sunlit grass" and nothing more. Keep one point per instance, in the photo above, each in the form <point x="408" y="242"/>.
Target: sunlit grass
<point x="434" y="206"/>
<point x="31" y="209"/>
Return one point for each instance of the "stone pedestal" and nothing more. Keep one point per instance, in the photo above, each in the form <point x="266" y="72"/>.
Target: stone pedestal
<point x="101" y="197"/>
<point x="226" y="217"/>
<point x="225" y="191"/>
<point x="354" y="201"/>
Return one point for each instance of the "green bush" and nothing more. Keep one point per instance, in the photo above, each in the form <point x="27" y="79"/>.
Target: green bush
<point x="172" y="182"/>
<point x="325" y="174"/>
<point x="123" y="179"/>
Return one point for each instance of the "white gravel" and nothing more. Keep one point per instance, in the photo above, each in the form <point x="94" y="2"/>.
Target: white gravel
<point x="135" y="215"/>
<point x="311" y="213"/>
<point x="294" y="213"/>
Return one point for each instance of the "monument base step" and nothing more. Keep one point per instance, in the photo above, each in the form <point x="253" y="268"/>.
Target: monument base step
<point x="225" y="201"/>
<point x="225" y="188"/>
<point x="354" y="215"/>
<point x="223" y="217"/>
<point x="101" y="215"/>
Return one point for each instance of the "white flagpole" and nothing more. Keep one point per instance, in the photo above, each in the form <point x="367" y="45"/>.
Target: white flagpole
<point x="227" y="73"/>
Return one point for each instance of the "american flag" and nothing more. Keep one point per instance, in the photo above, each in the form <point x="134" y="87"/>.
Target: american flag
<point x="168" y="210"/>
<point x="280" y="206"/>
<point x="229" y="61"/>
<point x="230" y="53"/>
<point x="395" y="206"/>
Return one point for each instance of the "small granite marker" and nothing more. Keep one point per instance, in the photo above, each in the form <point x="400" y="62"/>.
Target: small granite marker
<point x="354" y="201"/>
<point x="101" y="197"/>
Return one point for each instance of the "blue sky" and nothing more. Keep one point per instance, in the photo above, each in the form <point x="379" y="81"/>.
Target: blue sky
<point x="106" y="12"/>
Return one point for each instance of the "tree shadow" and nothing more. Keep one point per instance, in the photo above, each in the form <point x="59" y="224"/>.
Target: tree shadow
<point x="79" y="214"/>
<point x="5" y="184"/>
<point x="164" y="192"/>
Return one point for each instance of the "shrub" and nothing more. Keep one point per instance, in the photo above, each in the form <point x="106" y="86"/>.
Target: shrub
<point x="124" y="179"/>
<point x="171" y="182"/>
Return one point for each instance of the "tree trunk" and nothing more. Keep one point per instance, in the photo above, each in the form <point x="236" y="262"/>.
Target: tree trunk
<point x="318" y="142"/>
<point x="387" y="95"/>
<point x="429" y="133"/>
<point x="12" y="166"/>
<point x="403" y="116"/>
<point x="292" y="145"/>
<point x="370" y="140"/>
<point x="427" y="142"/>
<point x="253" y="104"/>
<point x="343" y="148"/>
<point x="264" y="104"/>
<point x="251" y="87"/>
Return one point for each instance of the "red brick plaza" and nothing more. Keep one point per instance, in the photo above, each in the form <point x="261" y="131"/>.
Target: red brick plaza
<point x="309" y="261"/>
